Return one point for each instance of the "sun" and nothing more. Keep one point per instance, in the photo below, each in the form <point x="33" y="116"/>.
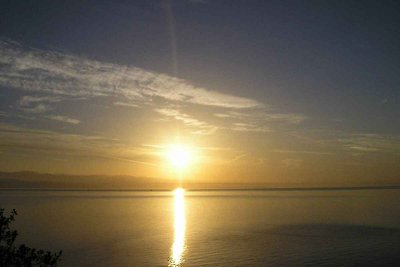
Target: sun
<point x="179" y="156"/>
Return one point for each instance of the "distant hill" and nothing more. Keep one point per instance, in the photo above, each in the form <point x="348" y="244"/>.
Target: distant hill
<point x="34" y="180"/>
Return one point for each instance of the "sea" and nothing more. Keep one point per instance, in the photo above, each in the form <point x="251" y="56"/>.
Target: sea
<point x="344" y="227"/>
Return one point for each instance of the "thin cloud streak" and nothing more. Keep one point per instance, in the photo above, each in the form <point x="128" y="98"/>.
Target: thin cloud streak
<point x="371" y="142"/>
<point x="301" y="152"/>
<point x="124" y="104"/>
<point x="203" y="127"/>
<point x="328" y="139"/>
<point x="247" y="127"/>
<point x="64" y="119"/>
<point x="263" y="115"/>
<point x="20" y="140"/>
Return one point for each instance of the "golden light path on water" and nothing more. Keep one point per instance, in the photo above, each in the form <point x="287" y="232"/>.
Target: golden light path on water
<point x="178" y="246"/>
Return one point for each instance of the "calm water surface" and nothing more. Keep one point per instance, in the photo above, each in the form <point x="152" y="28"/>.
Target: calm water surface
<point x="212" y="228"/>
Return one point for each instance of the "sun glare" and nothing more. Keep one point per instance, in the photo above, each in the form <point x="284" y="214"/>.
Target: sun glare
<point x="179" y="156"/>
<point x="178" y="247"/>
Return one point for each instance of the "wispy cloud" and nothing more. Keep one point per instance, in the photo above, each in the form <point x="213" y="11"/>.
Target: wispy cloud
<point x="201" y="127"/>
<point x="259" y="119"/>
<point x="355" y="143"/>
<point x="289" y="118"/>
<point x="52" y="77"/>
<point x="310" y="152"/>
<point x="37" y="104"/>
<point x="65" y="75"/>
<point x="64" y="119"/>
<point x="29" y="100"/>
<point x="39" y="108"/>
<point x="22" y="140"/>
<point x="263" y="115"/>
<point x="221" y="115"/>
<point x="371" y="143"/>
<point x="125" y="104"/>
<point x="247" y="127"/>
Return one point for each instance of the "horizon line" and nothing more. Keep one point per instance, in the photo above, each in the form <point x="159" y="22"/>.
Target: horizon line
<point x="319" y="188"/>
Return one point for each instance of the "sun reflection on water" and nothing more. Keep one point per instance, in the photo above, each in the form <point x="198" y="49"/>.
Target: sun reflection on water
<point x="178" y="247"/>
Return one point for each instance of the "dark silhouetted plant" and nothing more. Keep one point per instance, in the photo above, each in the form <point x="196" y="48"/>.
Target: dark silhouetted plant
<point x="12" y="255"/>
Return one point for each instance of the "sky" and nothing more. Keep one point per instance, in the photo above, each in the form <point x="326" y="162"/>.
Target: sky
<point x="261" y="92"/>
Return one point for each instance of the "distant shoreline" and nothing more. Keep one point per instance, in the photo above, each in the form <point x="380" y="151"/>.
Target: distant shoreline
<point x="348" y="188"/>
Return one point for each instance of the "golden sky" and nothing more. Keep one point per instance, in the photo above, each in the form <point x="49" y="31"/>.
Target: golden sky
<point x="260" y="93"/>
<point x="66" y="114"/>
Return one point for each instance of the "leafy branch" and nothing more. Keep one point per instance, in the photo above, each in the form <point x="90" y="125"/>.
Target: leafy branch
<point x="21" y="256"/>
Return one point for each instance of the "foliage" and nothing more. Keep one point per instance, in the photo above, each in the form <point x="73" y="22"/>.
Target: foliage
<point x="21" y="256"/>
